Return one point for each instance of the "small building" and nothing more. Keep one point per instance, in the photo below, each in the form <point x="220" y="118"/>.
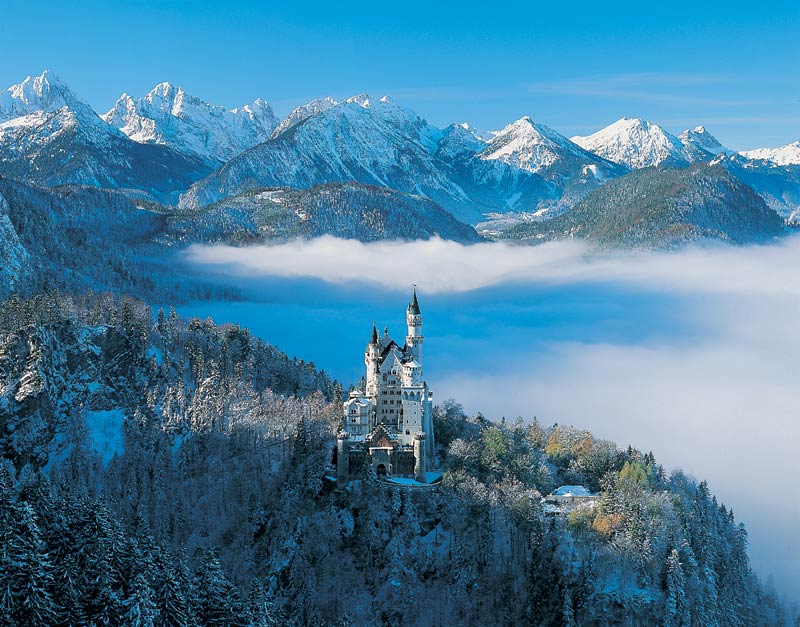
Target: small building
<point x="567" y="498"/>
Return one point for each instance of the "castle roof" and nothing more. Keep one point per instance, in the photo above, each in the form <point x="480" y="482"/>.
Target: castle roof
<point x="413" y="306"/>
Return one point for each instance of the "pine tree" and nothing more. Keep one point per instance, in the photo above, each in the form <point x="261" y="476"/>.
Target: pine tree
<point x="25" y="571"/>
<point x="172" y="595"/>
<point x="262" y="608"/>
<point x="140" y="608"/>
<point x="217" y="602"/>
<point x="545" y="583"/>
<point x="569" y="611"/>
<point x="676" y="611"/>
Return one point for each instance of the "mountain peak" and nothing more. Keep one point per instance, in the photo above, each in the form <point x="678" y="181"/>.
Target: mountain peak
<point x="168" y="115"/>
<point x="362" y="100"/>
<point x="701" y="139"/>
<point x="46" y="92"/>
<point x="783" y="155"/>
<point x="636" y="143"/>
<point x="303" y="112"/>
<point x="531" y="146"/>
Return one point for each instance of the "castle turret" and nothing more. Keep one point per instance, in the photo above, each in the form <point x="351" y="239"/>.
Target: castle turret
<point x="420" y="461"/>
<point x="371" y="357"/>
<point x="414" y="338"/>
<point x="342" y="460"/>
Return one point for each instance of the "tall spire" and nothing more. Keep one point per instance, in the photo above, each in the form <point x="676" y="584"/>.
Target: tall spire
<point x="413" y="306"/>
<point x="374" y="338"/>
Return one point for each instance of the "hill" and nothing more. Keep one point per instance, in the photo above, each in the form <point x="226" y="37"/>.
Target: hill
<point x="208" y="448"/>
<point x="663" y="208"/>
<point x="346" y="210"/>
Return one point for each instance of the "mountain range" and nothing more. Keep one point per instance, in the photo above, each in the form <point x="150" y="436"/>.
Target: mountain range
<point x="51" y="137"/>
<point x="184" y="153"/>
<point x="168" y="116"/>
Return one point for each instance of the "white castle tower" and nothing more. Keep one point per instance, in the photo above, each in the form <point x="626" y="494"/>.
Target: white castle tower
<point x="414" y="338"/>
<point x="391" y="419"/>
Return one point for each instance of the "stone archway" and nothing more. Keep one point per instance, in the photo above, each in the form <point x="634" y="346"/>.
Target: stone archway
<point x="380" y="470"/>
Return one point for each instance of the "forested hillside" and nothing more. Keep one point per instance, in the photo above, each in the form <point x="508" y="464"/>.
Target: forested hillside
<point x="346" y="210"/>
<point x="164" y="472"/>
<point x="663" y="208"/>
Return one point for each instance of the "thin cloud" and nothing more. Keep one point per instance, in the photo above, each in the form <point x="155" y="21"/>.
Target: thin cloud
<point x="645" y="87"/>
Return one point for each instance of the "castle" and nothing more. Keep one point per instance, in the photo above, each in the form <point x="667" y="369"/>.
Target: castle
<point x="389" y="423"/>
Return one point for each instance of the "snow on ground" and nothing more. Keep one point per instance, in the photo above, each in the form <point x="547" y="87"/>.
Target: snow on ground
<point x="430" y="478"/>
<point x="105" y="432"/>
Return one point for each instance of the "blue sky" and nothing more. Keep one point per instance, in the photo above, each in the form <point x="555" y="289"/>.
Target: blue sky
<point x="733" y="66"/>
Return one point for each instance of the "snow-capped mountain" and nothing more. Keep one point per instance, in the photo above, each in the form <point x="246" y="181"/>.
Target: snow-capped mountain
<point x="169" y="116"/>
<point x="525" y="167"/>
<point x="50" y="136"/>
<point x="534" y="147"/>
<point x="370" y="141"/>
<point x="378" y="142"/>
<point x="39" y="93"/>
<point x="638" y="144"/>
<point x="702" y="140"/>
<point x="784" y="155"/>
<point x="161" y="144"/>
<point x="304" y="112"/>
<point x="460" y="141"/>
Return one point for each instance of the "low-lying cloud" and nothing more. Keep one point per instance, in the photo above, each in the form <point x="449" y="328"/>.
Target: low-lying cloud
<point x="720" y="401"/>
<point x="445" y="266"/>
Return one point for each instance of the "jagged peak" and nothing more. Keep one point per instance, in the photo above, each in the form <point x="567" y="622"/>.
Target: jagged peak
<point x="699" y="137"/>
<point x="46" y="92"/>
<point x="525" y="129"/>
<point x="362" y="100"/>
<point x="38" y="87"/>
<point x="303" y="112"/>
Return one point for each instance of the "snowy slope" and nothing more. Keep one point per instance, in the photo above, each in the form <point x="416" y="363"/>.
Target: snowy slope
<point x="778" y="185"/>
<point x="168" y="115"/>
<point x="13" y="255"/>
<point x="784" y="155"/>
<point x="637" y="144"/>
<point x="377" y="142"/>
<point x="534" y="147"/>
<point x="304" y="112"/>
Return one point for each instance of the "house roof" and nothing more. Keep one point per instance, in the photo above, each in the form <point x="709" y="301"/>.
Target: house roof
<point x="571" y="490"/>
